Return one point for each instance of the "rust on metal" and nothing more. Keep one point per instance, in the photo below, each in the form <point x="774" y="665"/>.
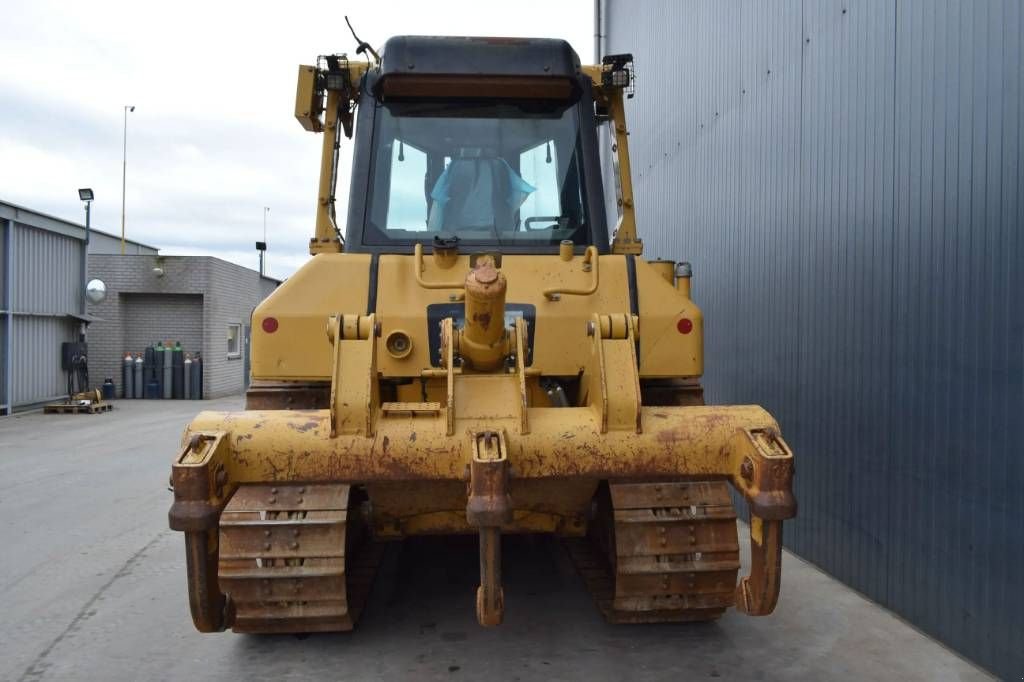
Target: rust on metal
<point x="757" y="594"/>
<point x="489" y="507"/>
<point x="564" y="419"/>
<point x="286" y="556"/>
<point x="661" y="551"/>
<point x="288" y="395"/>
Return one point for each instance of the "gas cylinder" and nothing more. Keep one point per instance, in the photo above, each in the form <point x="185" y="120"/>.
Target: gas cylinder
<point x="197" y="376"/>
<point x="168" y="378"/>
<point x="127" y="373"/>
<point x="139" y="380"/>
<point x="178" y="372"/>
<point x="157" y="376"/>
<point x="186" y="392"/>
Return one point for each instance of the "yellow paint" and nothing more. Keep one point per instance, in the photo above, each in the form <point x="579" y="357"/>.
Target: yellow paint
<point x="664" y="351"/>
<point x="299" y="349"/>
<point x="756" y="530"/>
<point x="412" y="452"/>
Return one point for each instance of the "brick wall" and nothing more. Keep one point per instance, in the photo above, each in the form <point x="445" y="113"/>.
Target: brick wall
<point x="142" y="307"/>
<point x="162" y="317"/>
<point x="234" y="292"/>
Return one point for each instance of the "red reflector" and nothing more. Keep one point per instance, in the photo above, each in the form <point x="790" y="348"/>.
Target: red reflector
<point x="270" y="324"/>
<point x="684" y="326"/>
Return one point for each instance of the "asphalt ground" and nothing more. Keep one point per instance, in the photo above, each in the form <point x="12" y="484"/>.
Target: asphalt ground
<point x="93" y="588"/>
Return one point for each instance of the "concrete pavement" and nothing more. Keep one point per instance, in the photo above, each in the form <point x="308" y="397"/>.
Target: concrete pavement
<point x="93" y="587"/>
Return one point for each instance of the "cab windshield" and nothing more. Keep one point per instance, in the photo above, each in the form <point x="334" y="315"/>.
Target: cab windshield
<point x="490" y="173"/>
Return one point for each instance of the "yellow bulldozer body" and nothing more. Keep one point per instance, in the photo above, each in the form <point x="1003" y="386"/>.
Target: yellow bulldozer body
<point x="398" y="394"/>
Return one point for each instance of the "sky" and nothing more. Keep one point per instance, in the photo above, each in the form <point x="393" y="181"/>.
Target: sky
<point x="213" y="139"/>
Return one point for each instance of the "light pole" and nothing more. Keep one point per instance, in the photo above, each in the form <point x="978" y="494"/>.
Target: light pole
<point x="124" y="167"/>
<point x="263" y="252"/>
<point x="86" y="195"/>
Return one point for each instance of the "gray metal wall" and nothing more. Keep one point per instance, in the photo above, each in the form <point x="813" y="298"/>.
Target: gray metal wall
<point x="42" y="274"/>
<point x="40" y="291"/>
<point x="104" y="243"/>
<point x="847" y="178"/>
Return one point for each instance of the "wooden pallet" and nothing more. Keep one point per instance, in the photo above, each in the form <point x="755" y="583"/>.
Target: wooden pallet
<point x="65" y="408"/>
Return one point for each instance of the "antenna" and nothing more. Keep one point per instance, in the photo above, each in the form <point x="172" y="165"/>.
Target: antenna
<point x="363" y="46"/>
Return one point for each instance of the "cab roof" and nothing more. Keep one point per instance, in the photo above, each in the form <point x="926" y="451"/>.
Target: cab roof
<point x="478" y="56"/>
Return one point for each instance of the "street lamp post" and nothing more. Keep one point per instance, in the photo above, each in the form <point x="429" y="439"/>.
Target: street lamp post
<point x="124" y="167"/>
<point x="263" y="252"/>
<point x="86" y="195"/>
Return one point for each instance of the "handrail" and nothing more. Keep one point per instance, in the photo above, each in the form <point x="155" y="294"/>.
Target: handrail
<point x="589" y="258"/>
<point x="418" y="271"/>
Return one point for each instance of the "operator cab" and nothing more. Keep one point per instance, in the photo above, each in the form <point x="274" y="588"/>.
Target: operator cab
<point x="488" y="142"/>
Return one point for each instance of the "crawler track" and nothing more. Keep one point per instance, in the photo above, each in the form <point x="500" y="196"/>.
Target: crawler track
<point x="295" y="558"/>
<point x="660" y="552"/>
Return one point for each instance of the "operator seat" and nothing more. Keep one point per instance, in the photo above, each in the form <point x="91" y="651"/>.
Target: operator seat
<point x="477" y="194"/>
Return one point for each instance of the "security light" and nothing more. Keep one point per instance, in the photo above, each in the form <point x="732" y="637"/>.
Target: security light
<point x="617" y="72"/>
<point x="85" y="194"/>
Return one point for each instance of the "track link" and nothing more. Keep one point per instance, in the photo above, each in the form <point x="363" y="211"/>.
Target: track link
<point x="295" y="558"/>
<point x="660" y="552"/>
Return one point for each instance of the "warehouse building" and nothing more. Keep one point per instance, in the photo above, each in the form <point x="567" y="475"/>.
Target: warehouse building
<point x="848" y="182"/>
<point x="203" y="302"/>
<point x="200" y="302"/>
<point x="41" y="260"/>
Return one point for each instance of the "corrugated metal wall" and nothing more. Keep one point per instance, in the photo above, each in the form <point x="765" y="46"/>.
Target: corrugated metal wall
<point x="45" y="286"/>
<point x="847" y="179"/>
<point x="47" y="272"/>
<point x="37" y="375"/>
<point x="6" y="232"/>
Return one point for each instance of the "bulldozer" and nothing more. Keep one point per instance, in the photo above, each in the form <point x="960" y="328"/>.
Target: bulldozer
<point x="477" y="353"/>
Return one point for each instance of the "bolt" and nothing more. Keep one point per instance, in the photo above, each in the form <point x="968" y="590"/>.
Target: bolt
<point x="266" y="545"/>
<point x="220" y="479"/>
<point x="196" y="442"/>
<point x="747" y="469"/>
<point x="590" y="328"/>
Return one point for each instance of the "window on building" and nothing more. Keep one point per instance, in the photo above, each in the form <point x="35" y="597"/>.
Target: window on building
<point x="235" y="340"/>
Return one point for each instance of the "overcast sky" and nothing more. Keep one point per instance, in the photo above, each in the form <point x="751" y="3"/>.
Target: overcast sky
<point x="213" y="139"/>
